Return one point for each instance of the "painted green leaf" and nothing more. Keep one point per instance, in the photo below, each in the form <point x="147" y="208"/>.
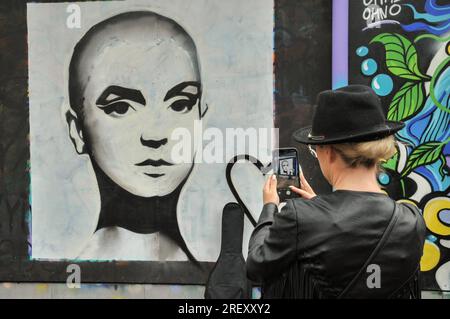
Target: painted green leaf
<point x="391" y="163"/>
<point x="406" y="102"/>
<point x="423" y="155"/>
<point x="401" y="56"/>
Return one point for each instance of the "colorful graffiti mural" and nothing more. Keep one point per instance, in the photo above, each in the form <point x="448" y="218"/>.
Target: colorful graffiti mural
<point x="404" y="55"/>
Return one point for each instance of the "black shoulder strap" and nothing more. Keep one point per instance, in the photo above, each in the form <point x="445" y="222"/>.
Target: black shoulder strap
<point x="380" y="244"/>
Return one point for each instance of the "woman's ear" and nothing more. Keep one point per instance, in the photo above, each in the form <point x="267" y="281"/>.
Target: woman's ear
<point x="331" y="154"/>
<point x="75" y="132"/>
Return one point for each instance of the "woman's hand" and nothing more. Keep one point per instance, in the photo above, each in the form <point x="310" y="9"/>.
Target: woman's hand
<point x="270" y="194"/>
<point x="305" y="191"/>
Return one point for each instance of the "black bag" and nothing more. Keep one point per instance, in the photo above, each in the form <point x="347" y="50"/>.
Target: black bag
<point x="228" y="278"/>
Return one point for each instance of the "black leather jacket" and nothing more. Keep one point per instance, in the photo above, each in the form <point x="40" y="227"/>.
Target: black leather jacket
<point x="314" y="248"/>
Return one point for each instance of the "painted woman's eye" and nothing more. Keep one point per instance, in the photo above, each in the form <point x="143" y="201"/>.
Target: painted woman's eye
<point x="183" y="105"/>
<point x="117" y="108"/>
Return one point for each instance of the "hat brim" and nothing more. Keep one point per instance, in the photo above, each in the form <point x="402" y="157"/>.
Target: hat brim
<point x="388" y="128"/>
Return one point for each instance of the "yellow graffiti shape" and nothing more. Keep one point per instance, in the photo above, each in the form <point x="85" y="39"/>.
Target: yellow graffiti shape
<point x="430" y="214"/>
<point x="430" y="257"/>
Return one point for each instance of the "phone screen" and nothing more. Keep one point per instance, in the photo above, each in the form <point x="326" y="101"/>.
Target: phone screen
<point x="286" y="169"/>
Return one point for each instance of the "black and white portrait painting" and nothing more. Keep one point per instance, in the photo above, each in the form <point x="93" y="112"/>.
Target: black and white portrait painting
<point x="109" y="84"/>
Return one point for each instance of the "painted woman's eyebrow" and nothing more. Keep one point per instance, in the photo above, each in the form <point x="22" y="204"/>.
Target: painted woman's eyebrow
<point x="179" y="90"/>
<point x="120" y="93"/>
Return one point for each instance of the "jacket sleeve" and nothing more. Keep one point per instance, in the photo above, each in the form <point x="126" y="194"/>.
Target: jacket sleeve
<point x="273" y="243"/>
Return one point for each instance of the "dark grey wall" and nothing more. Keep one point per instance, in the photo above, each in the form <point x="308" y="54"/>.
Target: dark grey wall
<point x="302" y="70"/>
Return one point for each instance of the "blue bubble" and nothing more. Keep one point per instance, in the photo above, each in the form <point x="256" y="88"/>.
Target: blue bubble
<point x="382" y="84"/>
<point x="369" y="67"/>
<point x="362" y="51"/>
<point x="444" y="216"/>
<point x="384" y="178"/>
<point x="432" y="238"/>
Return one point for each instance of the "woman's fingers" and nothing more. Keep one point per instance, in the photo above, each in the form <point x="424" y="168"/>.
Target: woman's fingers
<point x="273" y="183"/>
<point x="297" y="190"/>
<point x="304" y="184"/>
<point x="267" y="184"/>
<point x="302" y="192"/>
<point x="270" y="194"/>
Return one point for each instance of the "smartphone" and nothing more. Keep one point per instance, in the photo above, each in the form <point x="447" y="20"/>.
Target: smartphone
<point x="286" y="169"/>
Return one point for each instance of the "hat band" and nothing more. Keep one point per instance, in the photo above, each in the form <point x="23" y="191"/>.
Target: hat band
<point x="316" y="137"/>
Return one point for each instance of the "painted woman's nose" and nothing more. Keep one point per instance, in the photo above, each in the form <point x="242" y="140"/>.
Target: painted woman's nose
<point x="153" y="143"/>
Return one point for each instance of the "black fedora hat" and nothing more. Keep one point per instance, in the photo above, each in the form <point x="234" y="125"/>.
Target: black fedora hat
<point x="350" y="114"/>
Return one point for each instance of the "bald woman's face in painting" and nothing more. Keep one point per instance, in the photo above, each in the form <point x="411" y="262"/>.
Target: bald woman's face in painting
<point x="139" y="80"/>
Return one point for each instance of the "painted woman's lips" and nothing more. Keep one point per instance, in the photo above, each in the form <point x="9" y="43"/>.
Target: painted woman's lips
<point x="157" y="163"/>
<point x="154" y="175"/>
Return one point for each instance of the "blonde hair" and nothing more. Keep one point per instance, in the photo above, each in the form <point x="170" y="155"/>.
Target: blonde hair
<point x="367" y="154"/>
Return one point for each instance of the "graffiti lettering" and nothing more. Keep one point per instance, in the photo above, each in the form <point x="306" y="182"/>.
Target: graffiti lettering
<point x="378" y="10"/>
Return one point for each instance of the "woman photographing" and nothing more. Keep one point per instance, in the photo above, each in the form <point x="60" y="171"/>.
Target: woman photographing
<point x="355" y="242"/>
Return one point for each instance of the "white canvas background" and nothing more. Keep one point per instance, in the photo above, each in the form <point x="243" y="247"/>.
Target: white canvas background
<point x="234" y="39"/>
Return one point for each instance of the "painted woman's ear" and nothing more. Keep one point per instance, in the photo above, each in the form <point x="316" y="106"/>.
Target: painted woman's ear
<point x="75" y="132"/>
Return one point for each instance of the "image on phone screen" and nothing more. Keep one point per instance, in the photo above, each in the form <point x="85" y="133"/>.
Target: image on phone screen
<point x="286" y="169"/>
